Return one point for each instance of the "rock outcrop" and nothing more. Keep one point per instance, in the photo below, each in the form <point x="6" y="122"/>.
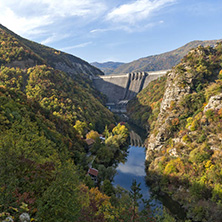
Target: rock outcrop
<point x="172" y="96"/>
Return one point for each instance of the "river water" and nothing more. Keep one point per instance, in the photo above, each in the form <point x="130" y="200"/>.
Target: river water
<point x="134" y="168"/>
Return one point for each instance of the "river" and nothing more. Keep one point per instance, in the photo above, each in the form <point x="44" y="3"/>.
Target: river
<point x="134" y="168"/>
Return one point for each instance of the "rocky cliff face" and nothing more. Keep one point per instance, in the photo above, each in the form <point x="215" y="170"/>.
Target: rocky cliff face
<point x="182" y="80"/>
<point x="184" y="147"/>
<point x="172" y="96"/>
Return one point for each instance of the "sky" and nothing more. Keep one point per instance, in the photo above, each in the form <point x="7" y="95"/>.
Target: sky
<point x="113" y="30"/>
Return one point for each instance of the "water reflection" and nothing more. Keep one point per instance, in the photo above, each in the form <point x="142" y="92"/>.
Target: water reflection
<point x="135" y="139"/>
<point x="135" y="162"/>
<point x="133" y="168"/>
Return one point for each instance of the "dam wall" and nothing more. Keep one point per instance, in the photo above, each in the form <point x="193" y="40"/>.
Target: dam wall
<point x="126" y="86"/>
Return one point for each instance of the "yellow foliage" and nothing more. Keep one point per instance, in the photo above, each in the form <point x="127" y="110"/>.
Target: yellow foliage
<point x="208" y="164"/>
<point x="92" y="135"/>
<point x="189" y="121"/>
<point x="174" y="166"/>
<point x="93" y="201"/>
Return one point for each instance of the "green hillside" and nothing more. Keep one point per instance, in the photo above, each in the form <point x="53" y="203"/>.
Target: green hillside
<point x="46" y="115"/>
<point x="55" y="58"/>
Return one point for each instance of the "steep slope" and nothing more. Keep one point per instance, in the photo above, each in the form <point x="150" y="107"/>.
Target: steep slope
<point x="45" y="116"/>
<point x="55" y="58"/>
<point x="144" y="108"/>
<point x="107" y="67"/>
<point x="184" y="146"/>
<point x="163" y="61"/>
<point x="54" y="89"/>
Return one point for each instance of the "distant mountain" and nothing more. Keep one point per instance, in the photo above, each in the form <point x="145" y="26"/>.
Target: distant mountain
<point x="107" y="67"/>
<point x="162" y="61"/>
<point x="57" y="59"/>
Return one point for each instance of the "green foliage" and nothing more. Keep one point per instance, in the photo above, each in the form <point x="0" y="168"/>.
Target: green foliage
<point x="113" y="150"/>
<point x="59" y="201"/>
<point x="144" y="109"/>
<point x="107" y="188"/>
<point x="12" y="50"/>
<point x="44" y="113"/>
<point x="135" y="196"/>
<point x="198" y="156"/>
<point x="188" y="164"/>
<point x="64" y="97"/>
<point x="164" y="217"/>
<point x="213" y="89"/>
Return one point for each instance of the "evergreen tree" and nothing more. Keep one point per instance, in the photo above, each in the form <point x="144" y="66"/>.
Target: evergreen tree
<point x="135" y="196"/>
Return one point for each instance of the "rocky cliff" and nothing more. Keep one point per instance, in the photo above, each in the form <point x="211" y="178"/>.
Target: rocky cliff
<point x="184" y="146"/>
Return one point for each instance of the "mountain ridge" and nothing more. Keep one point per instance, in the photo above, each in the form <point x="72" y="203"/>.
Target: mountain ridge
<point x="56" y="58"/>
<point x="163" y="61"/>
<point x="107" y="67"/>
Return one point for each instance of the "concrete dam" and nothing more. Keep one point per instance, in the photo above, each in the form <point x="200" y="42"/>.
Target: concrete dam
<point x="119" y="89"/>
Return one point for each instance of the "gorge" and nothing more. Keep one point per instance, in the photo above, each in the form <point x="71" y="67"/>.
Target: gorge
<point x="53" y="103"/>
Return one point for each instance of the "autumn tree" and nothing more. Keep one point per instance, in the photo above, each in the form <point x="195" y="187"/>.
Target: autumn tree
<point x="92" y="135"/>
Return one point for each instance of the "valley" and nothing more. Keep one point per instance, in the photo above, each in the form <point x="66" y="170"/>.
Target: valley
<point x="61" y="142"/>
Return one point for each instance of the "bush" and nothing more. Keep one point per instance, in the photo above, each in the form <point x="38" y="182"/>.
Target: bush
<point x="198" y="156"/>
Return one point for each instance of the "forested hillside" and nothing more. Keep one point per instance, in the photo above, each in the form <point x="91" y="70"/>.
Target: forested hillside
<point x="184" y="144"/>
<point x="46" y="117"/>
<point x="59" y="60"/>
<point x="162" y="61"/>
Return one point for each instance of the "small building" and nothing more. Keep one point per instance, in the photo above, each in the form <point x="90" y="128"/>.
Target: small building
<point x="90" y="142"/>
<point x="93" y="173"/>
<point x="102" y="138"/>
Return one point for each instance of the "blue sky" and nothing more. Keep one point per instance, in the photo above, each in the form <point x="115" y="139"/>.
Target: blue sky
<point x="113" y="30"/>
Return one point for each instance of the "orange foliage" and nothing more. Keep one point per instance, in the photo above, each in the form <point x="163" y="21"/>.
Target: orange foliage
<point x="94" y="204"/>
<point x="175" y="122"/>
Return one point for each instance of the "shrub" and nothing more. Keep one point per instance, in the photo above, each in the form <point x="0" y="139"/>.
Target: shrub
<point x="209" y="113"/>
<point x="186" y="139"/>
<point x="198" y="156"/>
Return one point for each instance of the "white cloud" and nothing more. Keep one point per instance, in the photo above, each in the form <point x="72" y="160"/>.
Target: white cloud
<point x="82" y="45"/>
<point x="136" y="170"/>
<point x="19" y="23"/>
<point x="99" y="30"/>
<point x="137" y="11"/>
<point x="53" y="38"/>
<point x="26" y="16"/>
